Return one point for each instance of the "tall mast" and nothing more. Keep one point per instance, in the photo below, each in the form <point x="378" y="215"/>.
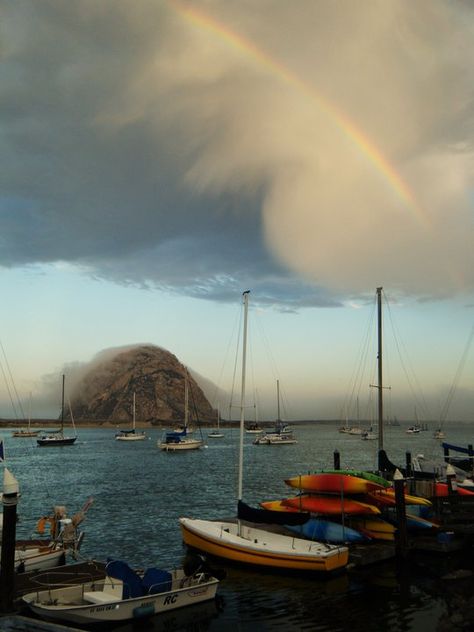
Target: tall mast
<point x="62" y="406"/>
<point x="379" y="358"/>
<point x="186" y="400"/>
<point x="133" y="411"/>
<point x="278" y="399"/>
<point x="242" y="395"/>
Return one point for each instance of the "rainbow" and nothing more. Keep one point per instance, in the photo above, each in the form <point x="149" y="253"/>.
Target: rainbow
<point x="364" y="145"/>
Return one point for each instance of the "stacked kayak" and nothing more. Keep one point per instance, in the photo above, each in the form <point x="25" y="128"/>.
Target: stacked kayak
<point x="331" y="497"/>
<point x="384" y="497"/>
<point x="333" y="505"/>
<point x="375" y="528"/>
<point x="349" y="506"/>
<point x="334" y="482"/>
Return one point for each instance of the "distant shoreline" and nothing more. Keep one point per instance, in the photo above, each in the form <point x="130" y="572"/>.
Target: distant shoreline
<point x="37" y="424"/>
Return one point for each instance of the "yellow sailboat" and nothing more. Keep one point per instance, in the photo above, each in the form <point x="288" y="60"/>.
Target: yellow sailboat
<point x="253" y="543"/>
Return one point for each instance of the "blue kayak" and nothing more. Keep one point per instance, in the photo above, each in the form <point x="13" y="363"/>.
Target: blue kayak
<point x="326" y="531"/>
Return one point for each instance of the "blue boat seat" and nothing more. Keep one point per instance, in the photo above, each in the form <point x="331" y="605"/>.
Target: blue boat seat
<point x="156" y="581"/>
<point x="132" y="583"/>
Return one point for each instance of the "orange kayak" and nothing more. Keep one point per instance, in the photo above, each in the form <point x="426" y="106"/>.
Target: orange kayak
<point x="387" y="497"/>
<point x="333" y="483"/>
<point x="329" y="505"/>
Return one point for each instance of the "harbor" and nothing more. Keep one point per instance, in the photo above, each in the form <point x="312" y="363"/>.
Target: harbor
<point x="140" y="492"/>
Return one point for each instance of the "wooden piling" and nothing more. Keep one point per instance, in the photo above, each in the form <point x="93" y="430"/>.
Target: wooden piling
<point x="401" y="539"/>
<point x="337" y="460"/>
<point x="7" y="569"/>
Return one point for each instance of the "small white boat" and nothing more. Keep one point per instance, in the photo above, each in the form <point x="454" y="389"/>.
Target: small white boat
<point x="65" y="539"/>
<point x="413" y="429"/>
<point x="178" y="440"/>
<point x="131" y="435"/>
<point x="369" y="435"/>
<point x="216" y="432"/>
<point x="122" y="595"/>
<point x="276" y="438"/>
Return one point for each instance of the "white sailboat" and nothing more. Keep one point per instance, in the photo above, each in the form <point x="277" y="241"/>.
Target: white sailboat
<point x="216" y="432"/>
<point x="26" y="432"/>
<point x="282" y="433"/>
<point x="131" y="435"/>
<point x="251" y="543"/>
<point x="179" y="440"/>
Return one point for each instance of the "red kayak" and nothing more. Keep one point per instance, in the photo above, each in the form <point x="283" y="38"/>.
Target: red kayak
<point x="329" y="505"/>
<point x="441" y="490"/>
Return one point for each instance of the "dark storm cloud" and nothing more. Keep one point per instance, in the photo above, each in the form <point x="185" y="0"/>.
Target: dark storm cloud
<point x="147" y="150"/>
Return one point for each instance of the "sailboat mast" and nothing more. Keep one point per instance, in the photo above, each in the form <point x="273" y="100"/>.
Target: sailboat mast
<point x="62" y="406"/>
<point x="242" y="395"/>
<point x="379" y="358"/>
<point x="186" y="400"/>
<point x="278" y="400"/>
<point x="133" y="411"/>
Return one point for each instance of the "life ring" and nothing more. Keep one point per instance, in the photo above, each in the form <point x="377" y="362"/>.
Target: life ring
<point x="44" y="525"/>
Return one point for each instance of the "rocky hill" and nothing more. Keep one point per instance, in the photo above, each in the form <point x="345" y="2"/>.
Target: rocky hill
<point x="105" y="392"/>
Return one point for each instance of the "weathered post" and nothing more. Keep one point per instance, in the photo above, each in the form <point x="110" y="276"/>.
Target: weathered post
<point x="7" y="570"/>
<point x="401" y="539"/>
<point x="452" y="487"/>
<point x="408" y="463"/>
<point x="337" y="460"/>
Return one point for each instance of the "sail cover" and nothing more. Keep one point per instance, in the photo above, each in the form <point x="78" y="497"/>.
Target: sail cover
<point x="266" y="516"/>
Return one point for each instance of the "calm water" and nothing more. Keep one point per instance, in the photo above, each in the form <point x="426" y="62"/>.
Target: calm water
<point x="140" y="492"/>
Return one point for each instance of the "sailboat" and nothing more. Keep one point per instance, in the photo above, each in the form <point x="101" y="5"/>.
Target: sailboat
<point x="216" y="432"/>
<point x="26" y="432"/>
<point x="250" y="543"/>
<point x="282" y="433"/>
<point x="58" y="438"/>
<point x="178" y="440"/>
<point x="131" y="435"/>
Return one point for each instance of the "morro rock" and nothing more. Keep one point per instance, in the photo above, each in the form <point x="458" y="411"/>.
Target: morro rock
<point x="155" y="376"/>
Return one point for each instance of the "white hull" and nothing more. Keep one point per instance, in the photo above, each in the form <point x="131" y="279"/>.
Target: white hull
<point x="33" y="558"/>
<point x="275" y="439"/>
<point x="101" y="601"/>
<point x="215" y="435"/>
<point x="184" y="444"/>
<point x="131" y="437"/>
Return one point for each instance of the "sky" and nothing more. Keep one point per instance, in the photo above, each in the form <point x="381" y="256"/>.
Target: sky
<point x="160" y="157"/>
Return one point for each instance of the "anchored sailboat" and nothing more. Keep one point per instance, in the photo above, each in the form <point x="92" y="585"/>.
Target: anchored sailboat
<point x="246" y="542"/>
<point x="178" y="440"/>
<point x="56" y="438"/>
<point x="216" y="432"/>
<point x="131" y="435"/>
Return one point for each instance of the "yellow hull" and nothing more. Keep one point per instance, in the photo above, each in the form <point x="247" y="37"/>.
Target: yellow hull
<point x="240" y="554"/>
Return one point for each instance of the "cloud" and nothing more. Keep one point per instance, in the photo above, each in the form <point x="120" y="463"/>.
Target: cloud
<point x="313" y="152"/>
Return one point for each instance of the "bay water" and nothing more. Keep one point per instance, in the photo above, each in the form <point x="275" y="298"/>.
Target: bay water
<point x="140" y="492"/>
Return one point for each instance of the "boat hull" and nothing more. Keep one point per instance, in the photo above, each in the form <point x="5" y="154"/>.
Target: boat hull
<point x="135" y="437"/>
<point x="185" y="444"/>
<point x="53" y="442"/>
<point x="38" y="558"/>
<point x="102" y="611"/>
<point x="257" y="547"/>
